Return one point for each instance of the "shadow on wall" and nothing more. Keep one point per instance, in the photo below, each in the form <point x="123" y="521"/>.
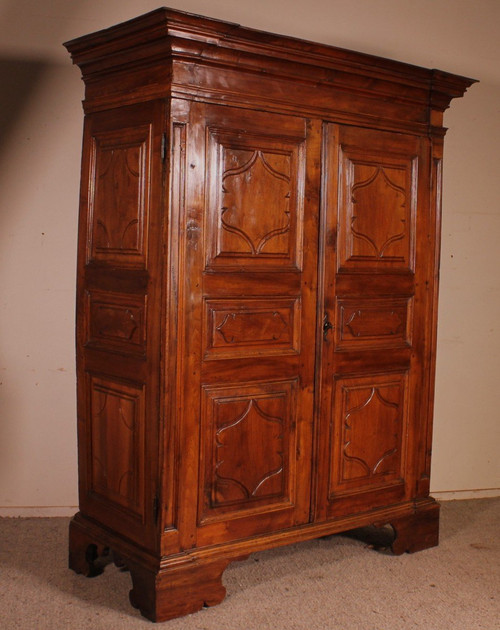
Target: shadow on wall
<point x="37" y="234"/>
<point x="19" y="78"/>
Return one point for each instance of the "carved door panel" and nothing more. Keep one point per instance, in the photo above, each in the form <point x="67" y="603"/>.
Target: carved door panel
<point x="250" y="312"/>
<point x="117" y="326"/>
<point x="378" y="262"/>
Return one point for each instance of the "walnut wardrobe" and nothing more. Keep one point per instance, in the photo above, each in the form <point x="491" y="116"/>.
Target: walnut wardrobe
<point x="256" y="302"/>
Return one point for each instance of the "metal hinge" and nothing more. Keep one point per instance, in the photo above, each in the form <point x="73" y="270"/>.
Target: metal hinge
<point x="156" y="508"/>
<point x="163" y="150"/>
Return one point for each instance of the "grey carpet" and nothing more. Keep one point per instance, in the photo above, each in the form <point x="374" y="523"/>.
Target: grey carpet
<point x="334" y="583"/>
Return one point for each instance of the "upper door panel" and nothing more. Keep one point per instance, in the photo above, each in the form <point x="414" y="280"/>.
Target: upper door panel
<point x="256" y="201"/>
<point x="377" y="200"/>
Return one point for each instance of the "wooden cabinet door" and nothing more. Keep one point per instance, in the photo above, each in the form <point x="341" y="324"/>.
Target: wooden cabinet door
<point x="378" y="287"/>
<point x="247" y="330"/>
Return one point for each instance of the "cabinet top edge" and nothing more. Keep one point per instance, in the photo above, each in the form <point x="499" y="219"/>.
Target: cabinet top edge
<point x="172" y="27"/>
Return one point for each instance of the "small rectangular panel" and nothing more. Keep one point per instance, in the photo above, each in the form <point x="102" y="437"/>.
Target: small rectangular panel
<point x="116" y="454"/>
<point x="243" y="327"/>
<point x="373" y="323"/>
<point x="116" y="321"/>
<point x="255" y="200"/>
<point x="248" y="450"/>
<point x="369" y="434"/>
<point x="119" y="196"/>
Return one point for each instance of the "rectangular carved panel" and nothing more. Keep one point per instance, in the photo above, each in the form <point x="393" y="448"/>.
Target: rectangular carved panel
<point x="370" y="426"/>
<point x="255" y="199"/>
<point x="117" y="459"/>
<point x="369" y="323"/>
<point x="249" y="435"/>
<point x="118" y="196"/>
<point x="116" y="321"/>
<point x="252" y="327"/>
<point x="378" y="200"/>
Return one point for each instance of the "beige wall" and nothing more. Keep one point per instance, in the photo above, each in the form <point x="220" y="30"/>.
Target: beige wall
<point x="40" y="126"/>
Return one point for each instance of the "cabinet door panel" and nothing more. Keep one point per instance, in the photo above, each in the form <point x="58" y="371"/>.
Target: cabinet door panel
<point x="377" y="208"/>
<point x="243" y="424"/>
<point x="249" y="309"/>
<point x="368" y="439"/>
<point x="377" y="274"/>
<point x="255" y="203"/>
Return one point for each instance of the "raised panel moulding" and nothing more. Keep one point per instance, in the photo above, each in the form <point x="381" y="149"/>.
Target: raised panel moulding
<point x="248" y="448"/>
<point x="380" y="209"/>
<point x="117" y="438"/>
<point x="118" y="203"/>
<point x="252" y="327"/>
<point x="116" y="321"/>
<point x="255" y="203"/>
<point x="371" y="425"/>
<point x="244" y="185"/>
<point x="365" y="322"/>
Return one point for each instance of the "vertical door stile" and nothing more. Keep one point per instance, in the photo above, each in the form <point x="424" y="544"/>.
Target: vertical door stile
<point x="175" y="190"/>
<point x="191" y="222"/>
<point x="434" y="152"/>
<point x="325" y="309"/>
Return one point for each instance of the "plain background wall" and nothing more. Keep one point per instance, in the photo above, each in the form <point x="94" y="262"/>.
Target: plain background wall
<point x="40" y="127"/>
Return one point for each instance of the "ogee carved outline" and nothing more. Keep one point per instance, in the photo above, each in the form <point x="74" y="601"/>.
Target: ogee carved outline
<point x="258" y="243"/>
<point x="248" y="492"/>
<point x="379" y="250"/>
<point x="373" y="397"/>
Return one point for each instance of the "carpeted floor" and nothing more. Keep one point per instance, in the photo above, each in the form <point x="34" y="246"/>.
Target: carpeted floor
<point x="332" y="583"/>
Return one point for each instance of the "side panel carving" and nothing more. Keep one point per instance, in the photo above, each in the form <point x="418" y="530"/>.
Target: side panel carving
<point x="116" y="321"/>
<point x="248" y="451"/>
<point x="117" y="444"/>
<point x="118" y="196"/>
<point x="370" y="425"/>
<point x="252" y="327"/>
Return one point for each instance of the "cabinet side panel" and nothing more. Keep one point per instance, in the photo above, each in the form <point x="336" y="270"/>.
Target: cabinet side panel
<point x="118" y="321"/>
<point x="118" y="200"/>
<point x="117" y="457"/>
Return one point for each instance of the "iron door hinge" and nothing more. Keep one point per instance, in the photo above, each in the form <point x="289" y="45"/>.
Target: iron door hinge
<point x="156" y="508"/>
<point x="163" y="147"/>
